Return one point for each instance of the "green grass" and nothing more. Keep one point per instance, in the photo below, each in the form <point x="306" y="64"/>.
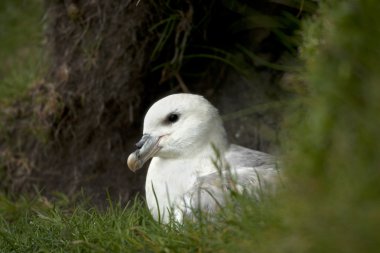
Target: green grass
<point x="38" y="226"/>
<point x="20" y="47"/>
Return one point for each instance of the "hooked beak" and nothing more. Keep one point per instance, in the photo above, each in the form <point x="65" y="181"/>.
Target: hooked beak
<point x="147" y="147"/>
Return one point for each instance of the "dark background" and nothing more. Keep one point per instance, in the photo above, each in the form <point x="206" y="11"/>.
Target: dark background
<point x="103" y="63"/>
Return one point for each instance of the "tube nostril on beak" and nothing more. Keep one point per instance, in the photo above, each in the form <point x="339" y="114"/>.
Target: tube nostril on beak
<point x="141" y="142"/>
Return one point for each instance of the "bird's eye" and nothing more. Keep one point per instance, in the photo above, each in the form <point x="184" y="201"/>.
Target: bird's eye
<point x="172" y="117"/>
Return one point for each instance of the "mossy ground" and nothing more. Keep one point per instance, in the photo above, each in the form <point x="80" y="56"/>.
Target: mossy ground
<point x="21" y="51"/>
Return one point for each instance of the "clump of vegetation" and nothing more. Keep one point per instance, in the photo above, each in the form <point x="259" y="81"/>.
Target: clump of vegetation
<point x="334" y="170"/>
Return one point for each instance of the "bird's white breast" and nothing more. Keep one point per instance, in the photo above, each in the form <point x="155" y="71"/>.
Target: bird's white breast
<point x="167" y="182"/>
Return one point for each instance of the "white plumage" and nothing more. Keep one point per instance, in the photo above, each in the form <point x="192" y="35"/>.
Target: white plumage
<point x="181" y="133"/>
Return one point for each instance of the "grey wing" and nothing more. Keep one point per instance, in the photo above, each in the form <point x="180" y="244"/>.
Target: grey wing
<point x="238" y="156"/>
<point x="250" y="170"/>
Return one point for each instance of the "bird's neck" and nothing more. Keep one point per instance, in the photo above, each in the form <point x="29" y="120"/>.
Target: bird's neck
<point x="202" y="160"/>
<point x="213" y="141"/>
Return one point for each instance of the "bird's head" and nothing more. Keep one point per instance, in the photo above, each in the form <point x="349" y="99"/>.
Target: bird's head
<point x="178" y="126"/>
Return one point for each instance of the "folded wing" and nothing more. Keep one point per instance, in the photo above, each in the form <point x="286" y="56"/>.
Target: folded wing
<point x="248" y="171"/>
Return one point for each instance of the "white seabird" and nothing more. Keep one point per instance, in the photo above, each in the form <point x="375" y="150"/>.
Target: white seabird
<point x="181" y="133"/>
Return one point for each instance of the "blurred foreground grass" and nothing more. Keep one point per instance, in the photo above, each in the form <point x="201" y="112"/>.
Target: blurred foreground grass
<point x="331" y="202"/>
<point x="20" y="46"/>
<point x="334" y="205"/>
